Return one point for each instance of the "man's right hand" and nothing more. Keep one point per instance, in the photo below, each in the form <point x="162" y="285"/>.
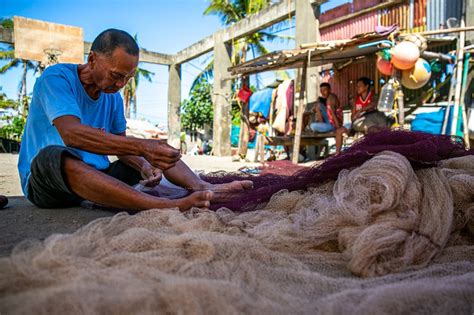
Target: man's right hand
<point x="160" y="154"/>
<point x="77" y="135"/>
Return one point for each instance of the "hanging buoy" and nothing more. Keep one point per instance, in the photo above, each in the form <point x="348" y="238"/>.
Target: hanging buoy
<point x="418" y="40"/>
<point x="405" y="55"/>
<point x="384" y="66"/>
<point x="417" y="76"/>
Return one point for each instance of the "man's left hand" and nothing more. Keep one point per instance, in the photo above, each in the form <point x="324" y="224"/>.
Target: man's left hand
<point x="151" y="176"/>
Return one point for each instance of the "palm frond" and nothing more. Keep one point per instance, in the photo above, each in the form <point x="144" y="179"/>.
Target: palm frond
<point x="9" y="65"/>
<point x="146" y="74"/>
<point x="7" y="54"/>
<point x="261" y="50"/>
<point x="207" y="74"/>
<point x="224" y="9"/>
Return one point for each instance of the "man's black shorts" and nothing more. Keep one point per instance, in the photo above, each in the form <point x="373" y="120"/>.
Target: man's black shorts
<point x="47" y="187"/>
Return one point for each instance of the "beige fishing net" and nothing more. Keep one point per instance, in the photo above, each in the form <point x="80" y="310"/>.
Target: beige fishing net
<point x="381" y="239"/>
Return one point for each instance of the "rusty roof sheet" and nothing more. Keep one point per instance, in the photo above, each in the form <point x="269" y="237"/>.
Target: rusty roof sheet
<point x="317" y="54"/>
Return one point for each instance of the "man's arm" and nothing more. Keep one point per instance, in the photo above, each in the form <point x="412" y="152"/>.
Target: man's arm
<point x="77" y="135"/>
<point x="151" y="175"/>
<point x="332" y="102"/>
<point x="373" y="104"/>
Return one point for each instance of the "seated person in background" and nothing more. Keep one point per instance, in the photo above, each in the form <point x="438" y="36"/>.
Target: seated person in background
<point x="365" y="116"/>
<point x="328" y="111"/>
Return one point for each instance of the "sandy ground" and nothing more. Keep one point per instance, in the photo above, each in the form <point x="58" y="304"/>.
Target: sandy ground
<point x="21" y="220"/>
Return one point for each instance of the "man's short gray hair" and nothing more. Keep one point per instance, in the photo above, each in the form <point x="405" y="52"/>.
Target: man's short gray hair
<point x="110" y="39"/>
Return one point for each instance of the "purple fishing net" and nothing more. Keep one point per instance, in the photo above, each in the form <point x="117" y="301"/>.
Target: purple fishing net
<point x="421" y="149"/>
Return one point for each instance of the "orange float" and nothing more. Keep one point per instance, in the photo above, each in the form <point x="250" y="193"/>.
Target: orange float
<point x="417" y="76"/>
<point x="384" y="66"/>
<point x="405" y="55"/>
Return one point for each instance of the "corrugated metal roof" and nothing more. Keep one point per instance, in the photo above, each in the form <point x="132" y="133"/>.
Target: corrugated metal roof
<point x="320" y="55"/>
<point x="347" y="29"/>
<point x="438" y="12"/>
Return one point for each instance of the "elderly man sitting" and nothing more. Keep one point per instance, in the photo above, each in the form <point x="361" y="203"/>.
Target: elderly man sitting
<point x="76" y="119"/>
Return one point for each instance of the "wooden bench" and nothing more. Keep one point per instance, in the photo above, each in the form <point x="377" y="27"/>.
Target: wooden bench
<point x="306" y="139"/>
<point x="309" y="139"/>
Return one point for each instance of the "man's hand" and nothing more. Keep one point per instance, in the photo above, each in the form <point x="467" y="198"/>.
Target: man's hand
<point x="160" y="154"/>
<point x="151" y="175"/>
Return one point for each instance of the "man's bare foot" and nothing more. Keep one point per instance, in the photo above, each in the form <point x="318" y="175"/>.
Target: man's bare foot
<point x="198" y="199"/>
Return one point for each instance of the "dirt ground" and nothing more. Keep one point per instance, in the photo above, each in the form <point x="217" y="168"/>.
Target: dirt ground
<point x="21" y="220"/>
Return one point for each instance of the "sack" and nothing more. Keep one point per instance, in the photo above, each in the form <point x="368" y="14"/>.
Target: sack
<point x="244" y="94"/>
<point x="371" y="119"/>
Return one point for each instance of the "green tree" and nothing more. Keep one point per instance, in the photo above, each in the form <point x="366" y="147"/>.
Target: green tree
<point x="6" y="103"/>
<point x="197" y="111"/>
<point x="8" y="54"/>
<point x="232" y="11"/>
<point x="14" y="130"/>
<point x="130" y="89"/>
<point x="15" y="123"/>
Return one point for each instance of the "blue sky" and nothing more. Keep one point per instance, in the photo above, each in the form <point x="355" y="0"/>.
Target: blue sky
<point x="165" y="26"/>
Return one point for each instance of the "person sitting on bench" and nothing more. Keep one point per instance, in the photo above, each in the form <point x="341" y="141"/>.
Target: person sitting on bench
<point x="328" y="111"/>
<point x="365" y="116"/>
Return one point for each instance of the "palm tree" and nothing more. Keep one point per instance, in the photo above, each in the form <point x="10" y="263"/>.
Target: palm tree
<point x="130" y="89"/>
<point x="9" y="54"/>
<point x="230" y="12"/>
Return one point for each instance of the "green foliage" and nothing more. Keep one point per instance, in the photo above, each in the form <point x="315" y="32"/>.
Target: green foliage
<point x="6" y="103"/>
<point x="8" y="54"/>
<point x="197" y="111"/>
<point x="233" y="11"/>
<point x="16" y="123"/>
<point x="130" y="89"/>
<point x="14" y="130"/>
<point x="6" y="23"/>
<point x="236" y="113"/>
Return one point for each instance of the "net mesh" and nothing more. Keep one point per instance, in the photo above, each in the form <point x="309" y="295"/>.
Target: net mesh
<point x="421" y="149"/>
<point x="381" y="237"/>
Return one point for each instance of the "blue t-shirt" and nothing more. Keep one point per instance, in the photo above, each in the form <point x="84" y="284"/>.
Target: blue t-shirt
<point x="59" y="92"/>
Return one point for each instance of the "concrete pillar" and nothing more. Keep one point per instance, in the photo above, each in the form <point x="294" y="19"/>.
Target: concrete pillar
<point x="307" y="31"/>
<point x="469" y="9"/>
<point x="221" y="97"/>
<point x="174" y="101"/>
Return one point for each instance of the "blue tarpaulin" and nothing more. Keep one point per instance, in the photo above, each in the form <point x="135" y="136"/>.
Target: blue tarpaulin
<point x="433" y="122"/>
<point x="260" y="102"/>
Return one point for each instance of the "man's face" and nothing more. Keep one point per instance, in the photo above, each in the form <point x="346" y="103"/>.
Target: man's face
<point x="325" y="91"/>
<point x="361" y="87"/>
<point x="112" y="72"/>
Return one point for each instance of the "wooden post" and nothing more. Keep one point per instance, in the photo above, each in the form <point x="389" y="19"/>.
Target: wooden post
<point x="444" y="128"/>
<point x="299" y="116"/>
<point x="244" y="134"/>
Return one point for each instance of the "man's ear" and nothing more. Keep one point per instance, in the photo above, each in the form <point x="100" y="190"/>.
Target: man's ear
<point x="91" y="59"/>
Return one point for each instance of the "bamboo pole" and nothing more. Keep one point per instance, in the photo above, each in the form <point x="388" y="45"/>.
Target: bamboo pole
<point x="299" y="116"/>
<point x="444" y="31"/>
<point x="448" y="107"/>
<point x="400" y="100"/>
<point x="457" y="95"/>
<point x="244" y="134"/>
<point x="463" y="95"/>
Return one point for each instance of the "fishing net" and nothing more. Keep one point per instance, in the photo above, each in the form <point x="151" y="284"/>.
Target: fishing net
<point x="389" y="233"/>
<point x="420" y="149"/>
